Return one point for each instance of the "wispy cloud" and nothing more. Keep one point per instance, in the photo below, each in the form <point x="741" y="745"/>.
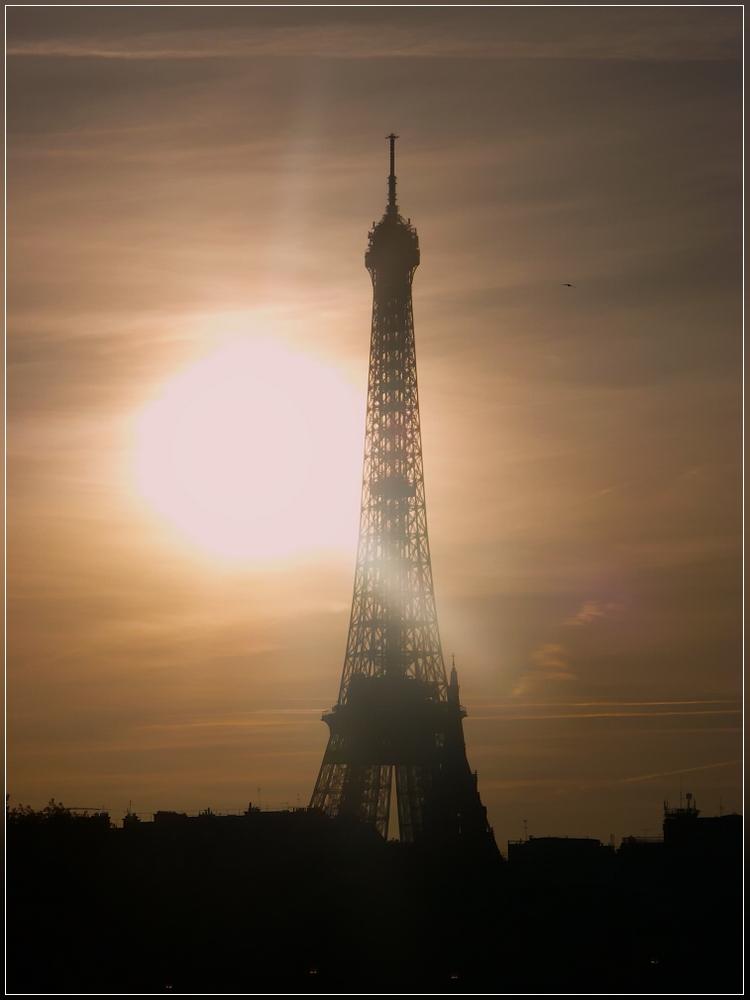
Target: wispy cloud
<point x="591" y="610"/>
<point x="615" y="704"/>
<point x="495" y="35"/>
<point x="608" y="782"/>
<point x="548" y="664"/>
<point x="611" y="715"/>
<point x="262" y="717"/>
<point x="539" y="711"/>
<point x="682" y="770"/>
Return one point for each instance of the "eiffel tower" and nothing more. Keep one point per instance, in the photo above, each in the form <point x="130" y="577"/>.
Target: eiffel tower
<point x="397" y="710"/>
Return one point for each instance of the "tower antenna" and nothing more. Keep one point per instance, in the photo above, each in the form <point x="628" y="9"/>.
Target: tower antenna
<point x="392" y="207"/>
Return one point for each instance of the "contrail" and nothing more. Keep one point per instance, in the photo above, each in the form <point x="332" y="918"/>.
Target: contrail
<point x="682" y="770"/>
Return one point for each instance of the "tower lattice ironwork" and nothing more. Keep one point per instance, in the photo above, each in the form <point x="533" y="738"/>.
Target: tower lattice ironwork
<point x="397" y="710"/>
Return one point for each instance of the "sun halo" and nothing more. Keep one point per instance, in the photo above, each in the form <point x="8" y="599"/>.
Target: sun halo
<point x="255" y="452"/>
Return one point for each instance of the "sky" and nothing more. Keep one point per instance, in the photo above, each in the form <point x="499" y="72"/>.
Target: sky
<point x="188" y="199"/>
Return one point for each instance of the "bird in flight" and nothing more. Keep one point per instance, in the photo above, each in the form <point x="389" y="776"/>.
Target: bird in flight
<point x="567" y="284"/>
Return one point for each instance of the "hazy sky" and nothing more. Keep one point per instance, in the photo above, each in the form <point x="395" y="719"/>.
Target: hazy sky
<point x="190" y="188"/>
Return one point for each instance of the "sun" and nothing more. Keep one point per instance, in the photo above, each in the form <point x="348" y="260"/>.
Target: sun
<point x="255" y="453"/>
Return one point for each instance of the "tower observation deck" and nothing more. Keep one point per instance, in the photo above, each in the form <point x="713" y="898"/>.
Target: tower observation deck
<point x="397" y="709"/>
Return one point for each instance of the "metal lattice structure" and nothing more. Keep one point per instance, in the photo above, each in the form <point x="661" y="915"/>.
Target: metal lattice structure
<point x="396" y="709"/>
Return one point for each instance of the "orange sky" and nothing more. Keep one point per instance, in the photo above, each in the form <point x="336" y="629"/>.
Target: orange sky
<point x="184" y="180"/>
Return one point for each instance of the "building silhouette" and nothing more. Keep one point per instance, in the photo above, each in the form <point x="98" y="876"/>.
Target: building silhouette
<point x="291" y="901"/>
<point x="398" y="720"/>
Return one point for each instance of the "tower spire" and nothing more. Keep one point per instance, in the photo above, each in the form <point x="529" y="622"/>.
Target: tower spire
<point x="392" y="206"/>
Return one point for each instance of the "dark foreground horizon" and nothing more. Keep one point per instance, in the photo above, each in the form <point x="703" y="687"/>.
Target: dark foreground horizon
<point x="295" y="901"/>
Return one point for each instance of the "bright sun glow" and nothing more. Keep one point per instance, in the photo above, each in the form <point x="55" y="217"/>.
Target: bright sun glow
<point x="255" y="452"/>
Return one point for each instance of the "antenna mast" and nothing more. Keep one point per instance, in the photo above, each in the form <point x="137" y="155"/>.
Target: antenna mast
<point x="392" y="207"/>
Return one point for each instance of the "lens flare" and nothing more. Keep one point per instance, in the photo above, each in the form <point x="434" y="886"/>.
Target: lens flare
<point x="255" y="452"/>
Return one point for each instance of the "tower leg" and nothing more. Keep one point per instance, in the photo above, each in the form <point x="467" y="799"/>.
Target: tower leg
<point x="410" y="794"/>
<point x="359" y="791"/>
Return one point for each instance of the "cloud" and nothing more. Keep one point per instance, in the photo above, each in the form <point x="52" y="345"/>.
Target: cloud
<point x="682" y="770"/>
<point x="550" y="662"/>
<point x="611" y="715"/>
<point x="591" y="610"/>
<point x="459" y="35"/>
<point x="548" y="665"/>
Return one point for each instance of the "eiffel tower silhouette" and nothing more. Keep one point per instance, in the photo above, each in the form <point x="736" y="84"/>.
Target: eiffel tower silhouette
<point x="398" y="715"/>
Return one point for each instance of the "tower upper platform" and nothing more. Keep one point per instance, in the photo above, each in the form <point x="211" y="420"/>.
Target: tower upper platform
<point x="393" y="245"/>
